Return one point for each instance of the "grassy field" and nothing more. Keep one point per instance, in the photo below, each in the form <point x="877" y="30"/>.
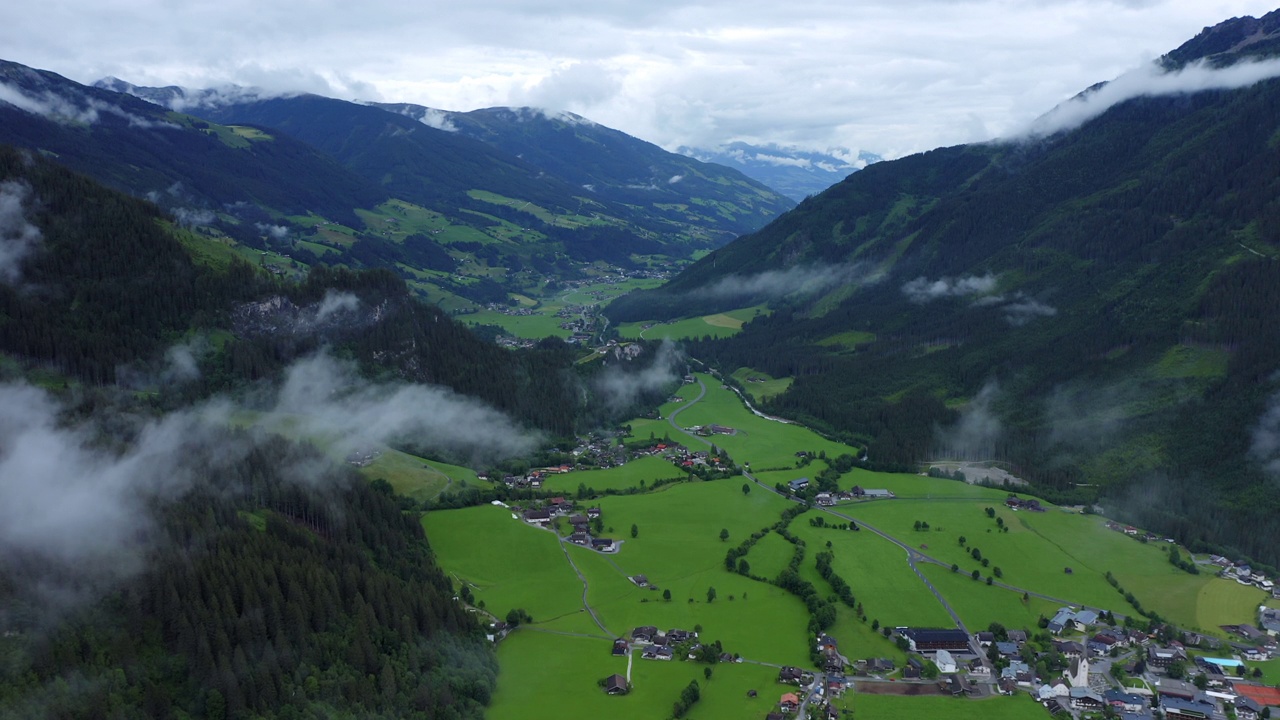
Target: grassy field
<point x="1039" y="546"/>
<point x="770" y="555"/>
<point x="417" y="477"/>
<point x="979" y="605"/>
<point x="541" y="325"/>
<point x="763" y="443"/>
<point x="532" y="688"/>
<point x="718" y="325"/>
<point x="876" y="570"/>
<point x="645" y="469"/>
<point x="508" y="563"/>
<point x="1227" y="602"/>
<point x="761" y="386"/>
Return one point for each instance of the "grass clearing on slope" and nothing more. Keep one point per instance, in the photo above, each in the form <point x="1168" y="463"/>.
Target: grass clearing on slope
<point x="508" y="563"/>
<point x="417" y="477"/>
<point x="759" y="385"/>
<point x="761" y="442"/>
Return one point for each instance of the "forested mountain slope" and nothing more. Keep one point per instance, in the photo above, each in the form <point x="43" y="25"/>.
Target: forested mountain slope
<point x="612" y="165"/>
<point x="1095" y="306"/>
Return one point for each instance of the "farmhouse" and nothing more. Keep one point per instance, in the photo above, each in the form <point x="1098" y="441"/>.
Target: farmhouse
<point x="640" y="580"/>
<point x="877" y="494"/>
<point x="789" y="702"/>
<point x="644" y="634"/>
<point x="791" y="675"/>
<point x="580" y="538"/>
<point x="798" y="484"/>
<point x="824" y="499"/>
<point x="537" y="517"/>
<point x="603" y="545"/>
<point x="656" y="652"/>
<point x="615" y="685"/>
<point x="620" y="647"/>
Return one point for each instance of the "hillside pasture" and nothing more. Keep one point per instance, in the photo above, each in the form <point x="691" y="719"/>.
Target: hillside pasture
<point x="417" y="477"/>
<point x="507" y="563"/>
<point x="645" y="469"/>
<point x="760" y="385"/>
<point x="763" y="443"/>
<point x="979" y="605"/>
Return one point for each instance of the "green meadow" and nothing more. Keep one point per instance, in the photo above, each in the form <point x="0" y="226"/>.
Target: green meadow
<point x="717" y="326"/>
<point x="877" y="572"/>
<point x="553" y="677"/>
<point x="759" y="385"/>
<point x="979" y="604"/>
<point x="762" y="443"/>
<point x="645" y="469"/>
<point x="550" y="668"/>
<point x="507" y="563"/>
<point x="417" y="477"/>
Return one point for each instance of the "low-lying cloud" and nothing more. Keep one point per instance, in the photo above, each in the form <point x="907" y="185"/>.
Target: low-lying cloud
<point x="326" y="398"/>
<point x="83" y="110"/>
<point x="979" y="429"/>
<point x="795" y="280"/>
<point x="620" y="388"/>
<point x="72" y="508"/>
<point x="1025" y="309"/>
<point x="1265" y="443"/>
<point x="923" y="290"/>
<point x="1147" y="81"/>
<point x="193" y="217"/>
<point x="18" y="237"/>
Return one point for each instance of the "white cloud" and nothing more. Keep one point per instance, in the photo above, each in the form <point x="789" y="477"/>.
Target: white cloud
<point x="1147" y="81"/>
<point x="18" y="237"/>
<point x="893" y="76"/>
<point x="1025" y="309"/>
<point x="923" y="290"/>
<point x="795" y="280"/>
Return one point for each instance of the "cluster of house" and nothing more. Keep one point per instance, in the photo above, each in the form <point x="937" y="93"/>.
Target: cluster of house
<point x="1018" y="503"/>
<point x="683" y="458"/>
<point x="1259" y="643"/>
<point x="1245" y="575"/>
<point x="820" y="697"/>
<point x="827" y="499"/>
<point x="559" y="507"/>
<point x="712" y="429"/>
<point x="362" y="456"/>
<point x="658" y="645"/>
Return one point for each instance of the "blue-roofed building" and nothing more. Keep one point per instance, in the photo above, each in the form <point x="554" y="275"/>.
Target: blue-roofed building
<point x="798" y="484"/>
<point x="1061" y="620"/>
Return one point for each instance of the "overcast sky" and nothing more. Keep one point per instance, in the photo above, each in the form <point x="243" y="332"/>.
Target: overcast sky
<point x="889" y="76"/>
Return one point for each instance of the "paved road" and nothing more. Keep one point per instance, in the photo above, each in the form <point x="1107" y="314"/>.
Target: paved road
<point x="702" y="392"/>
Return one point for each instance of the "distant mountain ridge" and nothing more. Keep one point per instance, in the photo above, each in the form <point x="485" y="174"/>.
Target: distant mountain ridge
<point x="791" y="171"/>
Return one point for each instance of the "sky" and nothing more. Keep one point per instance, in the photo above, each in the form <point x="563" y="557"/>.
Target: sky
<point x="887" y="76"/>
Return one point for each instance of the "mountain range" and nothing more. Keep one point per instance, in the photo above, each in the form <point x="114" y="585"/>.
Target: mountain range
<point x="1092" y="303"/>
<point x="793" y="172"/>
<point x="313" y="180"/>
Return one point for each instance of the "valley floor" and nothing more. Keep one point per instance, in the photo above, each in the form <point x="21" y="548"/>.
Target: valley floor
<point x="899" y="566"/>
